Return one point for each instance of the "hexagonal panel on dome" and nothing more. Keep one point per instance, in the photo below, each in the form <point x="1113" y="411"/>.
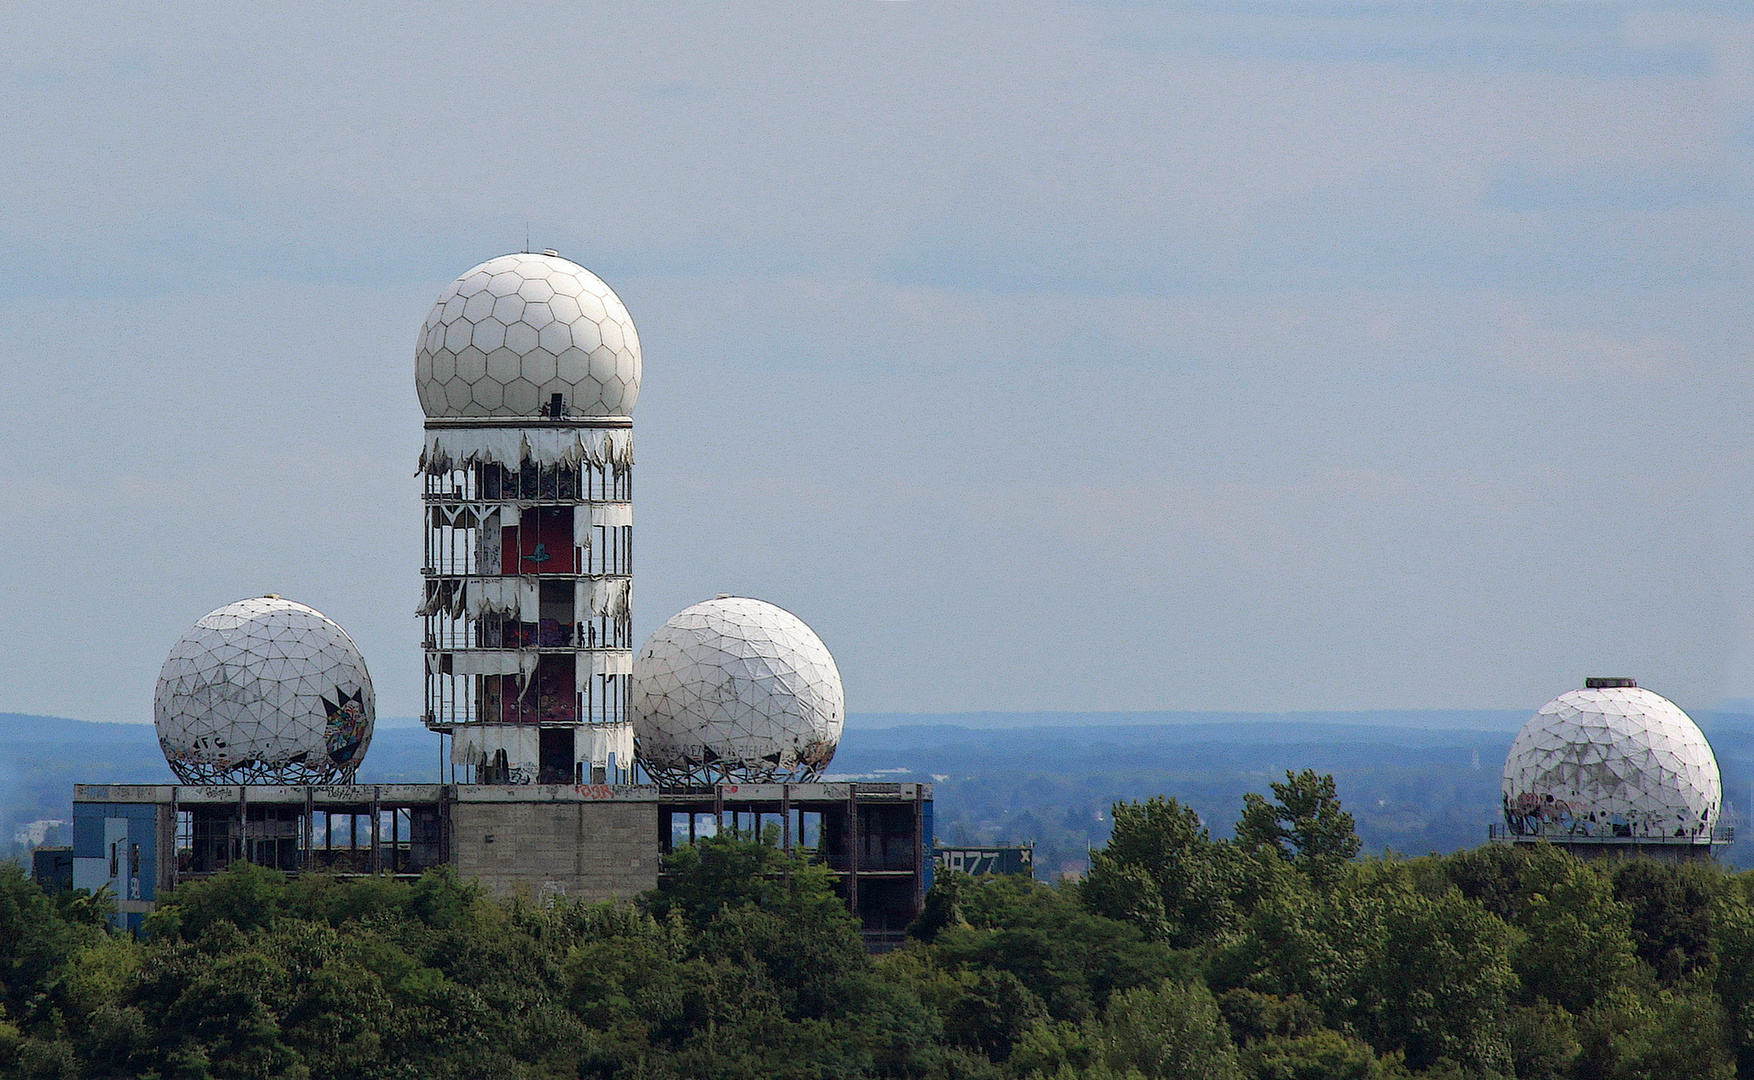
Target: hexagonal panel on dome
<point x="264" y="690"/>
<point x="736" y="689"/>
<point x="1611" y="761"/>
<point x="530" y="315"/>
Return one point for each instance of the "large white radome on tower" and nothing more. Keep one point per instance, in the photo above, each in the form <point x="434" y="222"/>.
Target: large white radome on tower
<point x="516" y="330"/>
<point x="1611" y="761"/>
<point x="264" y="690"/>
<point x="736" y="689"/>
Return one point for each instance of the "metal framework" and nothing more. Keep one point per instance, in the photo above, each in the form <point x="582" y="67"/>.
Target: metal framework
<point x="527" y="628"/>
<point x="690" y="773"/>
<point x="252" y="771"/>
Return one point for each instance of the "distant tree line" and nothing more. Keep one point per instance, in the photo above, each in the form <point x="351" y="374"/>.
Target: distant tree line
<point x="1277" y="955"/>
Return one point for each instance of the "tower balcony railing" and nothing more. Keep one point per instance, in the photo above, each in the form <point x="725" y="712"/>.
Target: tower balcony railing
<point x="1720" y="834"/>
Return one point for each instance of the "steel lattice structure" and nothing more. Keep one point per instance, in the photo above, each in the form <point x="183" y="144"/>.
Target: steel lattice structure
<point x="264" y="690"/>
<point x="736" y="689"/>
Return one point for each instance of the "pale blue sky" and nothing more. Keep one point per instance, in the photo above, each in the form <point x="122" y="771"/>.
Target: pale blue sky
<point x="1088" y="356"/>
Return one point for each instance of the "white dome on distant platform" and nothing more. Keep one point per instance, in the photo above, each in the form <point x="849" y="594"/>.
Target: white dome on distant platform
<point x="513" y="332"/>
<point x="1611" y="760"/>
<point x="737" y="689"/>
<point x="264" y="690"/>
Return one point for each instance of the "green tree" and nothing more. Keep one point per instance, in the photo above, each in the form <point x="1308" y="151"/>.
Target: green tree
<point x="1070" y="958"/>
<point x="1733" y="979"/>
<point x="1503" y="878"/>
<point x="1315" y="946"/>
<point x="1322" y="1054"/>
<point x="38" y="946"/>
<point x="721" y="873"/>
<point x="1626" y="1036"/>
<point x="1171" y="1032"/>
<point x="1163" y="871"/>
<point x="1304" y="824"/>
<point x="1543" y="1041"/>
<point x="1671" y="908"/>
<point x="243" y="894"/>
<point x="1577" y="941"/>
<point x="1440" y="982"/>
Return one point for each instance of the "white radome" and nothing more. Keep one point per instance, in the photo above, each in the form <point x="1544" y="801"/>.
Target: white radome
<point x="736" y="689"/>
<point x="264" y="690"/>
<point x="516" y="330"/>
<point x="1617" y="761"/>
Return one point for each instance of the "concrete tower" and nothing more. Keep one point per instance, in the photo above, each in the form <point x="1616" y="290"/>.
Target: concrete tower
<point x="528" y="369"/>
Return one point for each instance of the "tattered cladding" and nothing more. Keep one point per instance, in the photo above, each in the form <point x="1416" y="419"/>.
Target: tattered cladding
<point x="447" y="449"/>
<point x="1620" y="761"/>
<point x="736" y="688"/>
<point x="514" y="331"/>
<point x="529" y="557"/>
<point x="264" y="690"/>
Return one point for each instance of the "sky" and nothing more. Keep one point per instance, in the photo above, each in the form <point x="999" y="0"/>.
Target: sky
<point x="1042" y="356"/>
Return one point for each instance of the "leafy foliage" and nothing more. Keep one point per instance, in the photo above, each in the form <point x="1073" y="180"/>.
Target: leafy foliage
<point x="1274" y="956"/>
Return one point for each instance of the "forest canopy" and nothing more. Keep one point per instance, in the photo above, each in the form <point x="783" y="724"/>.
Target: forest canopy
<point x="1279" y="955"/>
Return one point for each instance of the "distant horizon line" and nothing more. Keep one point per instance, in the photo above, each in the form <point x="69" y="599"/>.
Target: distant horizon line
<point x="986" y="718"/>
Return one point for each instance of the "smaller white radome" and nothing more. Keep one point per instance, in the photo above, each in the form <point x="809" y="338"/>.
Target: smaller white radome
<point x="516" y="330"/>
<point x="264" y="690"/>
<point x="736" y="689"/>
<point x="1617" y="761"/>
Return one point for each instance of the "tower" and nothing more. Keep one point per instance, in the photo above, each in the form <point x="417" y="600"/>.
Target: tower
<point x="528" y="369"/>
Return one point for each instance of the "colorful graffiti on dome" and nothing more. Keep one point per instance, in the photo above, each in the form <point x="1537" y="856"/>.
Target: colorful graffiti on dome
<point x="346" y="727"/>
<point x="1532" y="814"/>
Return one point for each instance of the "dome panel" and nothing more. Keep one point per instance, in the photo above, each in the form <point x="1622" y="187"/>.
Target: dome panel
<point x="521" y="338"/>
<point x="539" y="308"/>
<point x="710" y="699"/>
<point x="489" y="335"/>
<point x="1618" y="761"/>
<point x="264" y="691"/>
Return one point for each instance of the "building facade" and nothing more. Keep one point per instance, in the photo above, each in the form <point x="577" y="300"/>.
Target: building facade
<point x="587" y="842"/>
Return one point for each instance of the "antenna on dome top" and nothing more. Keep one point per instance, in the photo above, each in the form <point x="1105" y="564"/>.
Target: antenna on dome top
<point x="526" y="238"/>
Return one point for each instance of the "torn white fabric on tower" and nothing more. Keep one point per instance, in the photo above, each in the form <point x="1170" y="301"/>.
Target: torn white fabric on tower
<point x="603" y="662"/>
<point x="597" y="741"/>
<point x="478" y="744"/>
<point x="448" y="449"/>
<point x="597" y="597"/>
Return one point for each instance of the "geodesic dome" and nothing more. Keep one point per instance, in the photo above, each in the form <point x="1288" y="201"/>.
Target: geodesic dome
<point x="736" y="689"/>
<point x="1611" y="761"/>
<point x="264" y="691"/>
<point x="516" y="330"/>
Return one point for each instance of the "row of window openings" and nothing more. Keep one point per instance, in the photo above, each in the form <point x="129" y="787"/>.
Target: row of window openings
<point x="531" y="482"/>
<point x="686" y="828"/>
<point x="545" y="547"/>
<point x="500" y="633"/>
<point x="329" y="829"/>
<point x="505" y="699"/>
<point x="338" y="841"/>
